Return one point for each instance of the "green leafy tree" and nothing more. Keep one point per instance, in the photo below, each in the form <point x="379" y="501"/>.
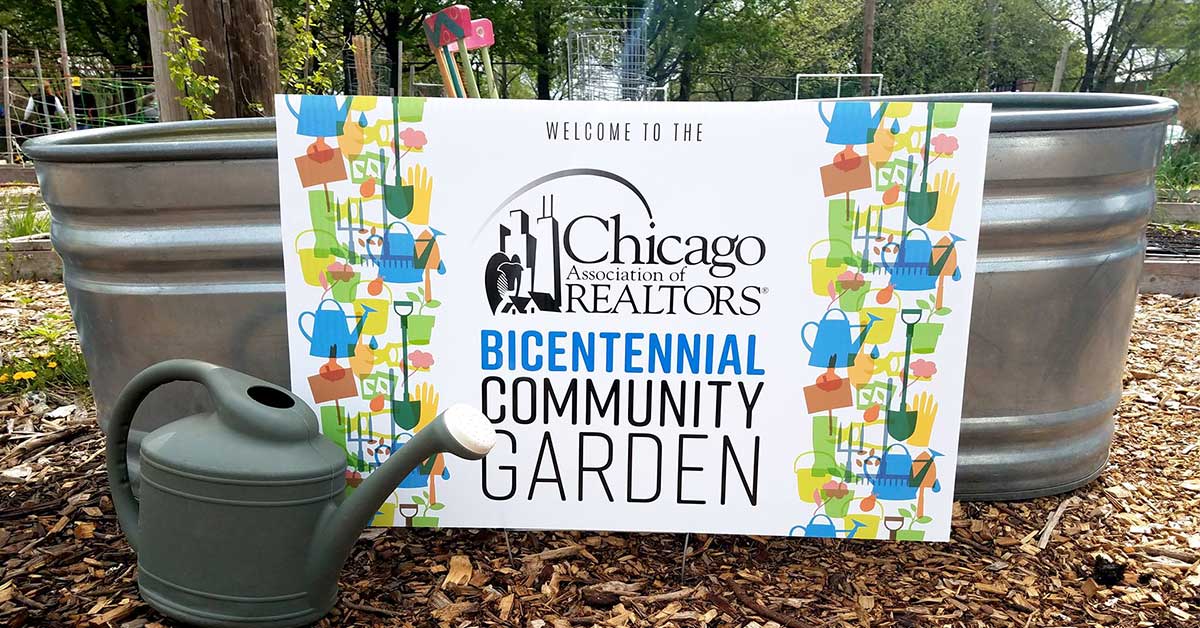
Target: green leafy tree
<point x="115" y="30"/>
<point x="307" y="39"/>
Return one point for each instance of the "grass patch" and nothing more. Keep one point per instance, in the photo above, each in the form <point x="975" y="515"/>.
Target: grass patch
<point x="1179" y="172"/>
<point x="23" y="217"/>
<point x="63" y="367"/>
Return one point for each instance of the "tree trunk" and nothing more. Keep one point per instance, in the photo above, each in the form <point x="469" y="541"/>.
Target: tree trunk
<point x="989" y="38"/>
<point x="391" y="29"/>
<point x="542" y="42"/>
<point x="868" y="48"/>
<point x="239" y="37"/>
<point x="347" y="11"/>
<point x="685" y="78"/>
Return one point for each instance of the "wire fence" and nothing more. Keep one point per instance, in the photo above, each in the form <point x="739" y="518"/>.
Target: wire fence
<point x="101" y="95"/>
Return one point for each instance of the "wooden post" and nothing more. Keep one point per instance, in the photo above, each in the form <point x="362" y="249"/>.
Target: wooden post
<point x="44" y="105"/>
<point x="239" y="36"/>
<point x="8" y="112"/>
<point x="1061" y="67"/>
<point x="165" y="92"/>
<point x="362" y="65"/>
<point x="400" y="67"/>
<point x="66" y="64"/>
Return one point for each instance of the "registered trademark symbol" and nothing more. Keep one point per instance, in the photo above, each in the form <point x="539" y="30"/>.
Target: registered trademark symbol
<point x="765" y="290"/>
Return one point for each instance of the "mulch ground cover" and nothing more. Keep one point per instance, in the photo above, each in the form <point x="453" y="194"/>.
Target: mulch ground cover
<point x="1122" y="551"/>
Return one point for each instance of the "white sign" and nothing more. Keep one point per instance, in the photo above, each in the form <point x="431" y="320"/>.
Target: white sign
<point x="714" y="317"/>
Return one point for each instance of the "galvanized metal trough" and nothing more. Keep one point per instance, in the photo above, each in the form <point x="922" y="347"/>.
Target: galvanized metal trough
<point x="169" y="235"/>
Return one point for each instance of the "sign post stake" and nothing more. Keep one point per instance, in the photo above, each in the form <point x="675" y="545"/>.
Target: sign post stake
<point x="512" y="562"/>
<point x="687" y="536"/>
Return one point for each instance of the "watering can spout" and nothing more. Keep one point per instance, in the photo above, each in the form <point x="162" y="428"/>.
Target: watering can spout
<point x="460" y="430"/>
<point x="878" y="117"/>
<point x="862" y="334"/>
<point x="936" y="266"/>
<point x="362" y="320"/>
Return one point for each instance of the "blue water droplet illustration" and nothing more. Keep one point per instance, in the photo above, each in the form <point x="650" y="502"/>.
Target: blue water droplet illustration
<point x="374" y="343"/>
<point x="895" y="126"/>
<point x="957" y="274"/>
<point x="875" y="352"/>
<point x="362" y="119"/>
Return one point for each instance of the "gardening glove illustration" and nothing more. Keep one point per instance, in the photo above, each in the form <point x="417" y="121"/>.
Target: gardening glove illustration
<point x="429" y="399"/>
<point x="946" y="185"/>
<point x="927" y="409"/>
<point x="422" y="184"/>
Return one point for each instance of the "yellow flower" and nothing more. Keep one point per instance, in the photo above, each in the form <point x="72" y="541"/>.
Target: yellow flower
<point x="52" y="364"/>
<point x="24" y="375"/>
<point x="3" y="377"/>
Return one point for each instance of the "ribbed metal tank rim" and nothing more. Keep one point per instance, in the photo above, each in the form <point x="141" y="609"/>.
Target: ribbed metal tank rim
<point x="1014" y="111"/>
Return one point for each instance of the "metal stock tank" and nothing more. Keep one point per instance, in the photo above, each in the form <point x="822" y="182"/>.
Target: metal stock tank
<point x="169" y="236"/>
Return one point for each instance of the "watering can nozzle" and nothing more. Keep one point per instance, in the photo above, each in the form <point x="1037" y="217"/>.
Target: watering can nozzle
<point x="471" y="431"/>
<point x="460" y="430"/>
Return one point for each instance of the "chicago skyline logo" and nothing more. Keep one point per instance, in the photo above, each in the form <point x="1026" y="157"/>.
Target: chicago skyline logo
<point x="611" y="261"/>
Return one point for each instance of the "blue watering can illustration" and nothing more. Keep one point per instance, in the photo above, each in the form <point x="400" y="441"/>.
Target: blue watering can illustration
<point x="319" y="116"/>
<point x="893" y="478"/>
<point x="397" y="260"/>
<point x="914" y="266"/>
<point x="825" y="529"/>
<point x="331" y="336"/>
<point x="852" y="122"/>
<point x="834" y="346"/>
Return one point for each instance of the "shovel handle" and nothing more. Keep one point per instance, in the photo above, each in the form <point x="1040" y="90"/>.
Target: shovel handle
<point x="117" y="446"/>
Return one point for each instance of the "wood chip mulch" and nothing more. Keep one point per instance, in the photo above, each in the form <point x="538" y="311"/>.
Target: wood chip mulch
<point x="1123" y="551"/>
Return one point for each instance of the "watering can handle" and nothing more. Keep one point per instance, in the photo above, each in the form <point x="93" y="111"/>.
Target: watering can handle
<point x="300" y="324"/>
<point x="889" y="266"/>
<point x="118" y="431"/>
<point x="370" y="253"/>
<point x="792" y="532"/>
<point x="288" y="102"/>
<point x="804" y="328"/>
<point x="821" y="112"/>
<point x="866" y="473"/>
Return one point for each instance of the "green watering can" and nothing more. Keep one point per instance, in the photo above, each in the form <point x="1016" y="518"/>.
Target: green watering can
<point x="242" y="518"/>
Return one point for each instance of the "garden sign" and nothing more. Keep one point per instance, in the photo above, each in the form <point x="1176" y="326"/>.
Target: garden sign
<point x="714" y="317"/>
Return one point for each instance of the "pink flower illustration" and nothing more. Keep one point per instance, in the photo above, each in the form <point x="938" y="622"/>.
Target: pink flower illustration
<point x="923" y="369"/>
<point x="415" y="140"/>
<point x="944" y="144"/>
<point x="835" y="489"/>
<point x="851" y="280"/>
<point x="340" y="272"/>
<point x="420" y="359"/>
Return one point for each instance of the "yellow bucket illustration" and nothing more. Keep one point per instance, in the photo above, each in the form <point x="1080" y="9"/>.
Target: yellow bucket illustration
<point x="368" y="103"/>
<point x="825" y="270"/>
<point x="869" y="522"/>
<point x="377" y="320"/>
<point x="898" y="109"/>
<point x="386" y="516"/>
<point x="312" y="262"/>
<point x="808" y="481"/>
<point x="881" y="331"/>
